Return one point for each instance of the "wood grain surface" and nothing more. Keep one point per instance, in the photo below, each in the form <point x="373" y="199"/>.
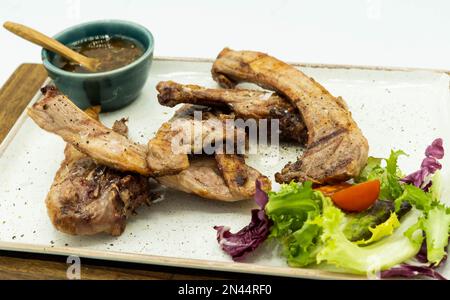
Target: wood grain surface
<point x="17" y="92"/>
<point x="14" y="97"/>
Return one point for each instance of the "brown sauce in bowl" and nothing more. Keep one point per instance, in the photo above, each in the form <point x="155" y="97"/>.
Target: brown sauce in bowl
<point x="113" y="52"/>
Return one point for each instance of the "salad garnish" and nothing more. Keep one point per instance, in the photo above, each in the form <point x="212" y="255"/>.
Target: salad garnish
<point x="393" y="219"/>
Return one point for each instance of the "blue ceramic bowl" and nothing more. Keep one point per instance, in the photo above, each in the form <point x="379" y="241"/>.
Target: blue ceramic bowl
<point x="112" y="89"/>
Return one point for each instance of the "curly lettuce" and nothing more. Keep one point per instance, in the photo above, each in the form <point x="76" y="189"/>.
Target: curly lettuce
<point x="385" y="253"/>
<point x="291" y="211"/>
<point x="388" y="175"/>
<point x="382" y="230"/>
<point x="436" y="227"/>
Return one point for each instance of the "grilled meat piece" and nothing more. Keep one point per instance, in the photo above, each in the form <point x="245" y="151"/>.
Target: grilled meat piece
<point x="239" y="177"/>
<point x="160" y="154"/>
<point x="336" y="149"/>
<point x="211" y="178"/>
<point x="57" y="114"/>
<point x="120" y="126"/>
<point x="184" y="134"/>
<point x="246" y="104"/>
<point x="225" y="178"/>
<point x="86" y="198"/>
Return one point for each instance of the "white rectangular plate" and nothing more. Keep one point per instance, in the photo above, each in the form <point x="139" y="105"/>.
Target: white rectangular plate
<point x="400" y="109"/>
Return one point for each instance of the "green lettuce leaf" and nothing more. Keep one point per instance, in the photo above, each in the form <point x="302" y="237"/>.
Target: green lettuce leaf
<point x="436" y="227"/>
<point x="435" y="189"/>
<point x="291" y="207"/>
<point x="291" y="210"/>
<point x="382" y="230"/>
<point x="416" y="197"/>
<point x="393" y="175"/>
<point x="372" y="170"/>
<point x="389" y="175"/>
<point x="300" y="248"/>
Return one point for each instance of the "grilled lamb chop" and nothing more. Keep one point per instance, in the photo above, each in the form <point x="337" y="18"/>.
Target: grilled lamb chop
<point x="214" y="178"/>
<point x="239" y="177"/>
<point x="86" y="198"/>
<point x="246" y="104"/>
<point x="183" y="135"/>
<point x="336" y="149"/>
<point x="225" y="178"/>
<point x="57" y="114"/>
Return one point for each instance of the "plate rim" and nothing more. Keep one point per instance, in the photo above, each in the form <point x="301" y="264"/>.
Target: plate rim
<point x="192" y="263"/>
<point x="315" y="65"/>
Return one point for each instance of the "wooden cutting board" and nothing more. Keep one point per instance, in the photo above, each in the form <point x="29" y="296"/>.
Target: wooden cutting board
<point x="14" y="97"/>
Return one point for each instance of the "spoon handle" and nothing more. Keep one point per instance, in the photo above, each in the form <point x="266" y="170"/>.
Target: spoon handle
<point x="46" y="42"/>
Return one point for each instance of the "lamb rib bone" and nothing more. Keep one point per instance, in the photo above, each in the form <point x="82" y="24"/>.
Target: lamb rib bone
<point x="336" y="149"/>
<point x="245" y="104"/>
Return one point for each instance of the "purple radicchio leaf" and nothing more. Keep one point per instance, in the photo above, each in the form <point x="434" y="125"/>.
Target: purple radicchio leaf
<point x="409" y="271"/>
<point x="429" y="166"/>
<point x="436" y="149"/>
<point x="246" y="240"/>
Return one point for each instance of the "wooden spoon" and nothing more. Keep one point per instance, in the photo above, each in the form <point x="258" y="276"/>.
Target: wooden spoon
<point x="53" y="45"/>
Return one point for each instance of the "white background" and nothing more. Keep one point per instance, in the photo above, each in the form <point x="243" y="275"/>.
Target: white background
<point x="365" y="32"/>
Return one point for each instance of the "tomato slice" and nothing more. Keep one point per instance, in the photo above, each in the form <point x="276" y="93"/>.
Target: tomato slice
<point x="329" y="190"/>
<point x="357" y="197"/>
